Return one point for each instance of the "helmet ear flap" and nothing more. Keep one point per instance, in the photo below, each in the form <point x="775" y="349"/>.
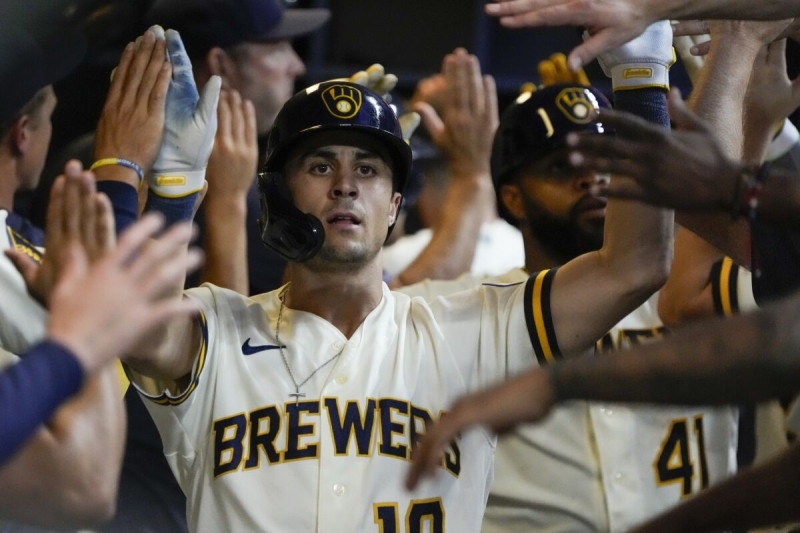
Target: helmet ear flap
<point x="294" y="235"/>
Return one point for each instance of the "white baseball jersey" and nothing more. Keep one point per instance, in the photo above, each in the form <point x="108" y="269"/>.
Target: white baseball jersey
<point x="603" y="467"/>
<point x="251" y="458"/>
<point x="22" y="320"/>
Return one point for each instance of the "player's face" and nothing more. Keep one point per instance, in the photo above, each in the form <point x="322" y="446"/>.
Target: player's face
<point x="345" y="180"/>
<point x="266" y="75"/>
<point x="563" y="208"/>
<point x="39" y="129"/>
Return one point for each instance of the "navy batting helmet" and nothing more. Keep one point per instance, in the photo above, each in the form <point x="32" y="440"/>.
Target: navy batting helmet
<point x="331" y="105"/>
<point x="537" y="123"/>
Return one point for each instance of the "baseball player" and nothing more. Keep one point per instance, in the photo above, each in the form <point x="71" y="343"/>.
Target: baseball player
<point x="590" y="466"/>
<point x="297" y="410"/>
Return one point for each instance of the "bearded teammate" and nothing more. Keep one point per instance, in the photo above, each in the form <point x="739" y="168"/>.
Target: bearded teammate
<point x="297" y="410"/>
<point x="589" y="466"/>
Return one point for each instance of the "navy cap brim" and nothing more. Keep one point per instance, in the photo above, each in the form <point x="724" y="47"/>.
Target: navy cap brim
<point x="296" y="23"/>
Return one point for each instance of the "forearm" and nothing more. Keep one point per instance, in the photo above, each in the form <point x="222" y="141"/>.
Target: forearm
<point x="31" y="390"/>
<point x="760" y="496"/>
<point x="640" y="253"/>
<point x="724" y="9"/>
<point x="226" y="243"/>
<point x="751" y="357"/>
<point x="451" y="249"/>
<point x="69" y="473"/>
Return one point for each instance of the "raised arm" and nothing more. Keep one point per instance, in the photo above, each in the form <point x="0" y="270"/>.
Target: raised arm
<point x="614" y="22"/>
<point x="637" y="245"/>
<point x="133" y="125"/>
<point x="464" y="135"/>
<point x="761" y="362"/>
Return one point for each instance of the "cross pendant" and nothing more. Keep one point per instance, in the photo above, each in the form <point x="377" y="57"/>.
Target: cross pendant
<point x="297" y="395"/>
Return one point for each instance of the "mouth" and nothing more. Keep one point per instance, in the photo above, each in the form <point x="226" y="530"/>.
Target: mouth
<point x="592" y="206"/>
<point x="343" y="220"/>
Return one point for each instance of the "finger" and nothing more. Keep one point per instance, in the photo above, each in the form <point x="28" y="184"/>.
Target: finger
<point x="207" y="108"/>
<point x="600" y="42"/>
<point x="608" y="164"/>
<point x="155" y="252"/>
<point x="55" y="210"/>
<point x="681" y="116"/>
<point x="359" y="78"/>
<point x="163" y="310"/>
<point x="105" y="226"/>
<point x="374" y="74"/>
<point x="88" y="219"/>
<point x="628" y="126"/>
<point x="628" y="189"/>
<point x="547" y="72"/>
<point x="237" y="120"/>
<point x="690" y="27"/>
<point x="251" y="129"/>
<point x="776" y="54"/>
<point x="158" y="95"/>
<point x="118" y="76"/>
<point x="133" y="76"/>
<point x="161" y="278"/>
<point x="153" y="70"/>
<point x="562" y="73"/>
<point x="72" y="212"/>
<point x="475" y="94"/>
<point x="223" y="117"/>
<point x="491" y="105"/>
<point x="430" y="119"/>
<point x="26" y="266"/>
<point x="456" y="91"/>
<point x="137" y="234"/>
<point x="386" y="84"/>
<point x="181" y="65"/>
<point x="700" y="49"/>
<point x="428" y="452"/>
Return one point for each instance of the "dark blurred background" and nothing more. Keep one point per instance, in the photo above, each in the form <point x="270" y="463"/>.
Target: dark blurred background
<point x="409" y="37"/>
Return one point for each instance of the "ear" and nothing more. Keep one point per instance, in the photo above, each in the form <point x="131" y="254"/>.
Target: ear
<point x="220" y="63"/>
<point x="511" y="196"/>
<point x="394" y="207"/>
<point x="20" y="135"/>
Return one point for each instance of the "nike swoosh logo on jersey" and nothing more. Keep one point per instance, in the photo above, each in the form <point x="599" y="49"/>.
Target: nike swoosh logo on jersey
<point x="247" y="349"/>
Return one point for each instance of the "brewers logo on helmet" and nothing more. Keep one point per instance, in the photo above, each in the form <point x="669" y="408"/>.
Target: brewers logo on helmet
<point x="331" y="105"/>
<point x="537" y="123"/>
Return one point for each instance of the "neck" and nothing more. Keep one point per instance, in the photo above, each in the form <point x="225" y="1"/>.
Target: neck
<point x="538" y="256"/>
<point x="342" y="298"/>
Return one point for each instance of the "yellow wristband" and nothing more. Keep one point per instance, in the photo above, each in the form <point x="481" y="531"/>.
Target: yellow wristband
<point x="118" y="161"/>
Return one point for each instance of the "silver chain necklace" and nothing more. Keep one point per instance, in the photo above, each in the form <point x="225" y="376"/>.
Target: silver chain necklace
<point x="296" y="394"/>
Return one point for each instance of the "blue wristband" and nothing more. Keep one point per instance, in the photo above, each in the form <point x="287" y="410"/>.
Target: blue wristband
<point x="125" y="201"/>
<point x="174" y="209"/>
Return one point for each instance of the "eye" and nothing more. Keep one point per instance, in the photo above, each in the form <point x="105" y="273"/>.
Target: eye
<point x="366" y="170"/>
<point x="320" y="168"/>
<point x="561" y="168"/>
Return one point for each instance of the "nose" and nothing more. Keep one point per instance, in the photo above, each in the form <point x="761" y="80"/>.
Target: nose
<point x="590" y="179"/>
<point x="344" y="185"/>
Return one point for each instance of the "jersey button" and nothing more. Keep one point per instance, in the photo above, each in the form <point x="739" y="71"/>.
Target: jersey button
<point x="338" y="345"/>
<point x="341" y="379"/>
<point x="338" y="489"/>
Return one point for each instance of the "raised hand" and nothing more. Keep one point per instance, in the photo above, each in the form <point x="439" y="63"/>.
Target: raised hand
<point x="610" y="22"/>
<point x="76" y="216"/>
<point x="132" y="122"/>
<point x="189" y="129"/>
<point x="100" y="310"/>
<point x="527" y="398"/>
<point x="469" y="116"/>
<point x="686" y="169"/>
